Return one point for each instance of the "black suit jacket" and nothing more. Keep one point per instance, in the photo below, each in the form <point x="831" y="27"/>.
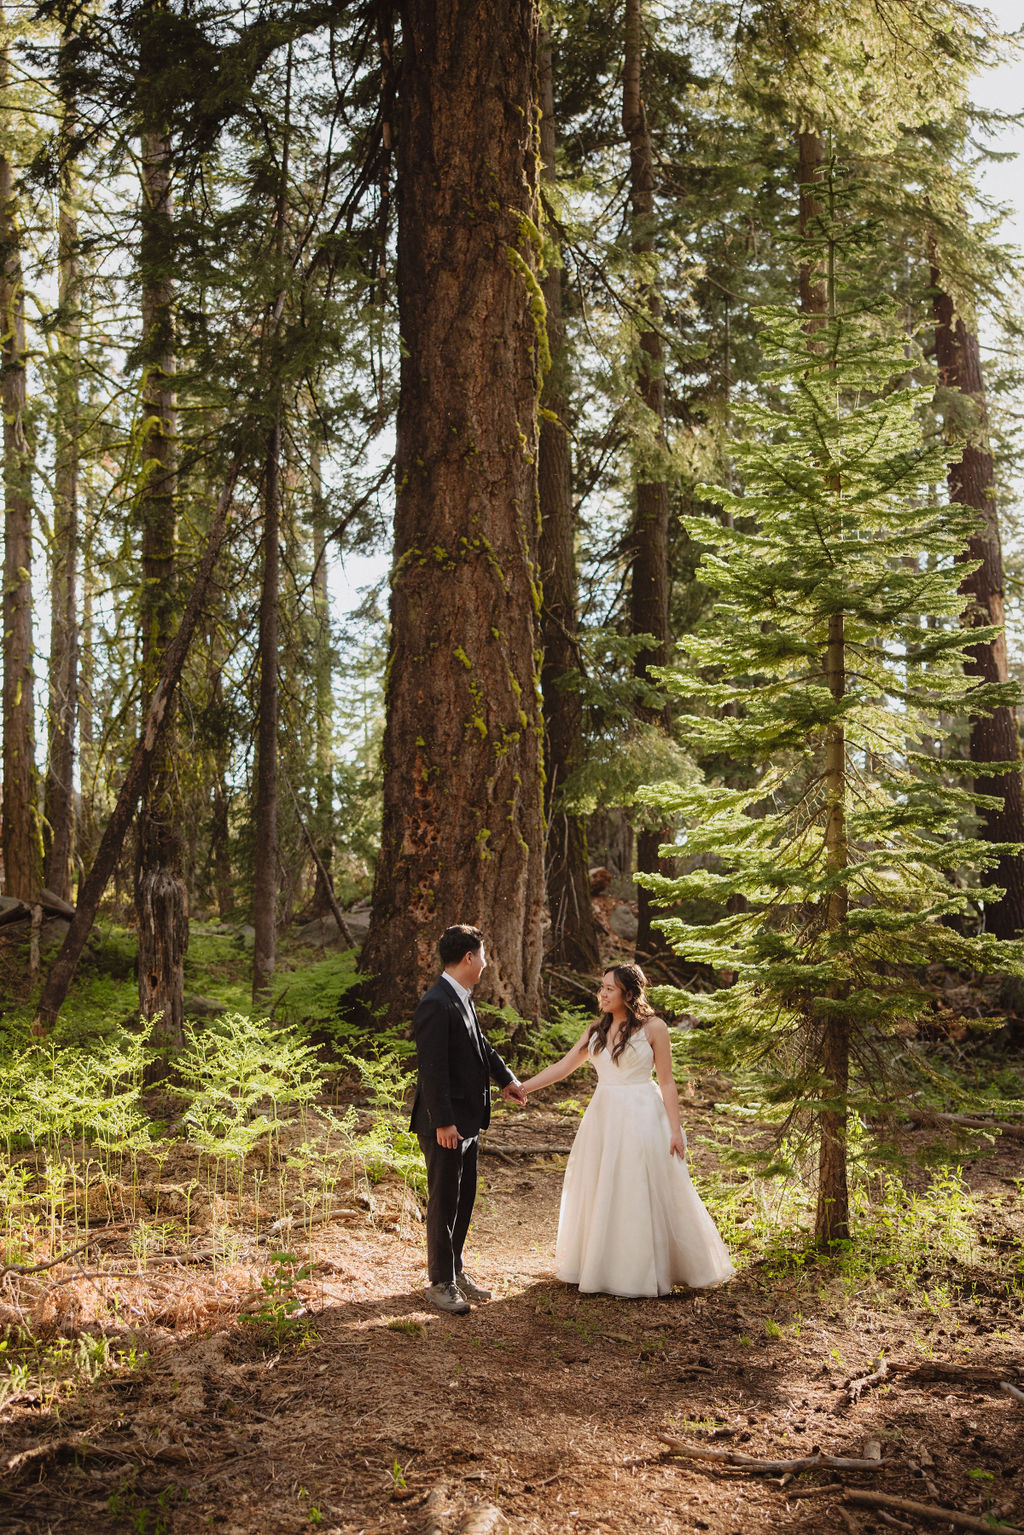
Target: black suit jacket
<point x="454" y="1067"/>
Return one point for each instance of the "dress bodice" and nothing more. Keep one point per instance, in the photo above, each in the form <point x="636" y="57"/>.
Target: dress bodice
<point x="633" y="1066"/>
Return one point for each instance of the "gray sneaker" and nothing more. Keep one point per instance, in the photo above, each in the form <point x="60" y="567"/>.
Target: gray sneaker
<point x="446" y="1297"/>
<point x="469" y="1289"/>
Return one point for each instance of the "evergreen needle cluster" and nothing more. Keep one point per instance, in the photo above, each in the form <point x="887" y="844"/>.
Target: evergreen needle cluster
<point x="839" y="866"/>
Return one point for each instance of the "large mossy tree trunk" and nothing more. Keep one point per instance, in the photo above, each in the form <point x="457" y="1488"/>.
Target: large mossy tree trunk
<point x="22" y="850"/>
<point x="830" y="1026"/>
<point x="573" y="934"/>
<point x="649" y="576"/>
<point x="994" y="737"/>
<point x="59" y="803"/>
<point x="161" y="899"/>
<point x="462" y="834"/>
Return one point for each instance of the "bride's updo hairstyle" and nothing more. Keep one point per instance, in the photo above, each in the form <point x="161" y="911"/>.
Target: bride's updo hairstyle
<point x="633" y="984"/>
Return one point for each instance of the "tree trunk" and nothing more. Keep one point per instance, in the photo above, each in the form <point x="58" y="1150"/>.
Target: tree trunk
<point x="462" y="835"/>
<point x="323" y="684"/>
<point x="21" y="841"/>
<point x="832" y="1221"/>
<point x="85" y="826"/>
<point x="573" y="937"/>
<point x="264" y="909"/>
<point x="161" y="901"/>
<point x="649" y="584"/>
<point x="59" y="811"/>
<point x="994" y="737"/>
<point x="134" y="785"/>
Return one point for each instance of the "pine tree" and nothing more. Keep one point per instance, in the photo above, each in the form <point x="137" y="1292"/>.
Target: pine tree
<point x="837" y="605"/>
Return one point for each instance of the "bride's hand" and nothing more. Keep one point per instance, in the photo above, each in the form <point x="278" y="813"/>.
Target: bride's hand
<point x="677" y="1146"/>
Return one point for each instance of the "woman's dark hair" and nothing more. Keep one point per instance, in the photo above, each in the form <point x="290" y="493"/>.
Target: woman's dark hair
<point x="456" y="942"/>
<point x="632" y="983"/>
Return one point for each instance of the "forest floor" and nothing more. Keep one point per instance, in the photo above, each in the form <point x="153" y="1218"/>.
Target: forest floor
<point x="542" y="1410"/>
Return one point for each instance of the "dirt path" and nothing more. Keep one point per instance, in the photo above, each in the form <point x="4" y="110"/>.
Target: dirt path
<point x="543" y="1404"/>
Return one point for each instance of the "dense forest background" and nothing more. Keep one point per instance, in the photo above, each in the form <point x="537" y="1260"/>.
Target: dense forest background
<point x="663" y="358"/>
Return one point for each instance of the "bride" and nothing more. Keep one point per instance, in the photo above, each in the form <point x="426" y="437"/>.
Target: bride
<point x="631" y="1222"/>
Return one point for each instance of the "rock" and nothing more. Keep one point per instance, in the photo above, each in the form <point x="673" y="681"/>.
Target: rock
<point x="600" y="879"/>
<point x="53" y="931"/>
<point x="246" y="936"/>
<point x="322" y="932"/>
<point x="203" y="1007"/>
<point x="623" y="922"/>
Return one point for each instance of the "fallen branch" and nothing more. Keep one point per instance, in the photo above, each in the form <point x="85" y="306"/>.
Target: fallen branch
<point x="930" y="1511"/>
<point x="56" y="1449"/>
<point x="815" y="1462"/>
<point x="39" y="1268"/>
<point x="134" y="784"/>
<point x="967" y="1122"/>
<point x="855" y="1388"/>
<point x="815" y="1492"/>
<point x="1004" y="1385"/>
<point x="524" y="1151"/>
<point x="343" y="927"/>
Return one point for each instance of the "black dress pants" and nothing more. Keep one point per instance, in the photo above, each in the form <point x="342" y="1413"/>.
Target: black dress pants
<point x="451" y="1190"/>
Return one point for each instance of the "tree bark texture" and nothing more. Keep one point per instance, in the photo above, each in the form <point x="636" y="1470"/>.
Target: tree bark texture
<point x="573" y="934"/>
<point x="994" y="737"/>
<point x="832" y="1220"/>
<point x="134" y="785"/>
<point x="22" y="850"/>
<point x="161" y="899"/>
<point x="462" y="834"/>
<point x="59" y="806"/>
<point x="264" y="906"/>
<point x="649" y="585"/>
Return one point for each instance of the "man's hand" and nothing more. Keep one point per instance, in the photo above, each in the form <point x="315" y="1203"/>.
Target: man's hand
<point x="449" y="1137"/>
<point x="515" y="1094"/>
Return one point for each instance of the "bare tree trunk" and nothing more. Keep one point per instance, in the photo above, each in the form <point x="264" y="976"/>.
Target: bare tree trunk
<point x="462" y="836"/>
<point x="21" y="840"/>
<point x="323" y="686"/>
<point x="264" y="913"/>
<point x="161" y="900"/>
<point x="832" y="1221"/>
<point x="59" y="811"/>
<point x="134" y="785"/>
<point x="649" y="587"/>
<point x="994" y="737"/>
<point x="573" y="938"/>
<point x="85" y="825"/>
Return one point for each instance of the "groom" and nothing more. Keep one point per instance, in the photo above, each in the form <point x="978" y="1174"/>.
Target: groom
<point x="451" y="1107"/>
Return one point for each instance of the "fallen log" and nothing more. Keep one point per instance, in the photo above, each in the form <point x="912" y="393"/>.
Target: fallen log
<point x="935" y="1369"/>
<point x="524" y="1151"/>
<point x="816" y="1462"/>
<point x="1004" y="1385"/>
<point x="929" y="1511"/>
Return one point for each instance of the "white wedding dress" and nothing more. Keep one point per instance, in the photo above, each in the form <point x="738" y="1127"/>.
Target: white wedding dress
<point x="631" y="1222"/>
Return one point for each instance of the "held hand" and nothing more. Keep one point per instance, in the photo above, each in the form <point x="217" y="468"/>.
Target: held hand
<point x="449" y="1137"/>
<point x="676" y="1146"/>
<point x="515" y="1094"/>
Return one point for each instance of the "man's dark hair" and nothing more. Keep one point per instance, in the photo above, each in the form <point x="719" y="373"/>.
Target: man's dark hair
<point x="456" y="942"/>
